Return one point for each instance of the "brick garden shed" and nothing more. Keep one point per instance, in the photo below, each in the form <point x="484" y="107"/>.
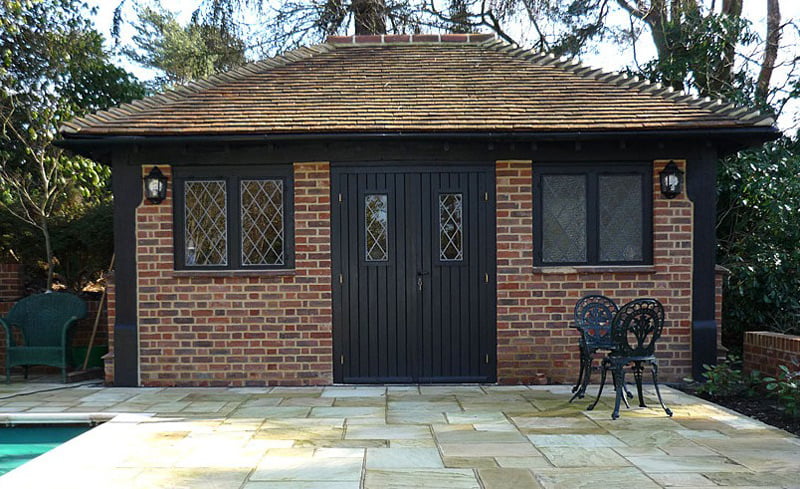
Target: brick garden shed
<point x="405" y="209"/>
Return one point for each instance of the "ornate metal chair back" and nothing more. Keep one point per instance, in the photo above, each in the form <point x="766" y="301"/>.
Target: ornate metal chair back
<point x="636" y="328"/>
<point x="594" y="315"/>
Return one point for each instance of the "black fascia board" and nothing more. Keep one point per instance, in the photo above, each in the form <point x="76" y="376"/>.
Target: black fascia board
<point x="736" y="138"/>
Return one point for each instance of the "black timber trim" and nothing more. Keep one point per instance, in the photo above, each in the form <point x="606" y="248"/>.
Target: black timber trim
<point x="126" y="183"/>
<point x="701" y="175"/>
<point x="232" y="177"/>
<point x="593" y="170"/>
<point x="729" y="140"/>
<point x="77" y="139"/>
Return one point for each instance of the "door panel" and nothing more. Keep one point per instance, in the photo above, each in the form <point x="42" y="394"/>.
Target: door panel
<point x="413" y="314"/>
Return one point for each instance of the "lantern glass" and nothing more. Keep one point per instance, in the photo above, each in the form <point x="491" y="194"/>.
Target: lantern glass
<point x="155" y="186"/>
<point x="671" y="180"/>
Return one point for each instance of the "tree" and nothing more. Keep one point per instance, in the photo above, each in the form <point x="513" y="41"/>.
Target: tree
<point x="759" y="208"/>
<point x="53" y="68"/>
<point x="183" y="53"/>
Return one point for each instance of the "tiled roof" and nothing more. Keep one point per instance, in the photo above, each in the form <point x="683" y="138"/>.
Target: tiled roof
<point x="393" y="84"/>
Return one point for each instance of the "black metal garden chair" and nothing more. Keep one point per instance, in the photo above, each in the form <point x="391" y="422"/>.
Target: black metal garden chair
<point x="634" y="331"/>
<point x="593" y="317"/>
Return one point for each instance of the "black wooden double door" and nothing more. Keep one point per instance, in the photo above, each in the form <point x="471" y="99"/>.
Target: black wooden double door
<point x="413" y="274"/>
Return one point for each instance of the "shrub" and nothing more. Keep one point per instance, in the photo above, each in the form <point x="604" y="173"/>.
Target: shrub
<point x="786" y="388"/>
<point x="757" y="235"/>
<point x="725" y="380"/>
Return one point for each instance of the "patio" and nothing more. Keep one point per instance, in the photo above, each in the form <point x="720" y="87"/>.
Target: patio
<point x="470" y="436"/>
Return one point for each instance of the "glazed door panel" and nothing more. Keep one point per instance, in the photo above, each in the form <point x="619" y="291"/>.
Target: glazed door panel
<point x="413" y="275"/>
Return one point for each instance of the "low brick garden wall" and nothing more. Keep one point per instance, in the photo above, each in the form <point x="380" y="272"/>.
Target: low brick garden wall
<point x="765" y="351"/>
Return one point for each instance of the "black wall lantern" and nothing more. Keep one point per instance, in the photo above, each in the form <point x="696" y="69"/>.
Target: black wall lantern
<point x="671" y="180"/>
<point x="155" y="186"/>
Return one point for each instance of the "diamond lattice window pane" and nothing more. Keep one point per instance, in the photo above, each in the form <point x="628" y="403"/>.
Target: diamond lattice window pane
<point x="564" y="218"/>
<point x="620" y="218"/>
<point x="451" y="242"/>
<point x="376" y="222"/>
<point x="206" y="222"/>
<point x="262" y="222"/>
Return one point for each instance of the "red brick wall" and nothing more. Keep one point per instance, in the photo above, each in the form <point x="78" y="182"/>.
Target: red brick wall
<point x="534" y="306"/>
<point x="111" y="311"/>
<point x="765" y="351"/>
<point x="220" y="329"/>
<point x="10" y="281"/>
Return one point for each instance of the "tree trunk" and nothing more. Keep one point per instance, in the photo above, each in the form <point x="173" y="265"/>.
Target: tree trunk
<point x="48" y="249"/>
<point x="369" y="16"/>
<point x="722" y="74"/>
<point x="658" y="19"/>
<point x="770" y="50"/>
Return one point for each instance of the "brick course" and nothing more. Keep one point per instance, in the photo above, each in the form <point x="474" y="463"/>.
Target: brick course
<point x="765" y="351"/>
<point x="11" y="286"/>
<point x="535" y="305"/>
<point x="227" y="329"/>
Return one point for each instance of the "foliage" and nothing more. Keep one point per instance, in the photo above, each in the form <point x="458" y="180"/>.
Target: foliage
<point x="726" y="380"/>
<point x="697" y="57"/>
<point x="183" y="53"/>
<point x="759" y="208"/>
<point x="52" y="68"/>
<point x="84" y="246"/>
<point x="786" y="388"/>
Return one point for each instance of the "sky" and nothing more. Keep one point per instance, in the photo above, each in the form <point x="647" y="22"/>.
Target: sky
<point x="609" y="57"/>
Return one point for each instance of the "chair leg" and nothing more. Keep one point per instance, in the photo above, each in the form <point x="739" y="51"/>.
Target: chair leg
<point x="579" y="382"/>
<point x="604" y="367"/>
<point x="619" y="373"/>
<point x="637" y="375"/>
<point x="587" y="373"/>
<point x="26" y="371"/>
<point x="8" y="371"/>
<point x="586" y="369"/>
<point x="654" y="369"/>
<point x="624" y="390"/>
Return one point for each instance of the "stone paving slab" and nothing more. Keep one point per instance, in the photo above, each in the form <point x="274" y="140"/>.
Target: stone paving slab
<point x="347" y="437"/>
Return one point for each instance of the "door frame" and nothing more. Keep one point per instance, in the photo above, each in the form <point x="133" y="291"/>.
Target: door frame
<point x="489" y="337"/>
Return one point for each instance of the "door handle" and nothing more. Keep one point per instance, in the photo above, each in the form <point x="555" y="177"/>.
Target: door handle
<point x="420" y="280"/>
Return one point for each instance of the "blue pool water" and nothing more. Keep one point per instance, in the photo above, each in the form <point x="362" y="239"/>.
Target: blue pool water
<point x="20" y="444"/>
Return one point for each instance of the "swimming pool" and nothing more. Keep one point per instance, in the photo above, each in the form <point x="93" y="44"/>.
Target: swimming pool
<point x="20" y="444"/>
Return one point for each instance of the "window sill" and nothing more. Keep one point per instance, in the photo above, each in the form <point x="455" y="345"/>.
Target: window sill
<point x="289" y="272"/>
<point x="596" y="269"/>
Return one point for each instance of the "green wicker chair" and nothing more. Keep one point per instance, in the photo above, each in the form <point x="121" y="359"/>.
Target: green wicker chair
<point x="44" y="320"/>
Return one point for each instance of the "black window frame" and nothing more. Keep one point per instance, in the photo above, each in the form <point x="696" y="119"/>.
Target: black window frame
<point x="233" y="177"/>
<point x="592" y="172"/>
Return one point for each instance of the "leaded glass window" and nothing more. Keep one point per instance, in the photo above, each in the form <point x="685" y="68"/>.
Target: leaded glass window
<point x="621" y="227"/>
<point x="451" y="235"/>
<point x="563" y="218"/>
<point x="593" y="214"/>
<point x="262" y="222"/>
<point x="376" y="227"/>
<point x="206" y="223"/>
